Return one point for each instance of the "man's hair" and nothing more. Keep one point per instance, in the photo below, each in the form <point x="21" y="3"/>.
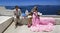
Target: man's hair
<point x="16" y="7"/>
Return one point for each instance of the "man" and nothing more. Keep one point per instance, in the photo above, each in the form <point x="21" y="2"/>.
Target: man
<point x="17" y="13"/>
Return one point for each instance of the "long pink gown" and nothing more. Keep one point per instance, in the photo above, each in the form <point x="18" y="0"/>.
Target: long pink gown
<point x="42" y="23"/>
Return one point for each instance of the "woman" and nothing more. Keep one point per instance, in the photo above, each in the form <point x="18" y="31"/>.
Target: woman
<point x="41" y="23"/>
<point x="32" y="19"/>
<point x="35" y="18"/>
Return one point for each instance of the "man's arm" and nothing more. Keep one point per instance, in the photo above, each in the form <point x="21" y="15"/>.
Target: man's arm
<point x="19" y="12"/>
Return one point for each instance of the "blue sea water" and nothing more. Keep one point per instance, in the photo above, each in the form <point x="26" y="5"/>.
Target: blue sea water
<point x="44" y="9"/>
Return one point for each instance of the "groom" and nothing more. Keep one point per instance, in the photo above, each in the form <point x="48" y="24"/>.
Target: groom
<point x="17" y="14"/>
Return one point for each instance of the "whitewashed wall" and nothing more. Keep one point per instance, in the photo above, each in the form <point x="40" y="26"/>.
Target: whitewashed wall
<point x="5" y="23"/>
<point x="4" y="11"/>
<point x="7" y="12"/>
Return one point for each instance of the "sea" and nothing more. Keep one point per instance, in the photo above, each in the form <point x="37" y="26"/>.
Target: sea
<point x="44" y="9"/>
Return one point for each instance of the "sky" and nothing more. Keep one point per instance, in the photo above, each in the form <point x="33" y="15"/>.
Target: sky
<point x="28" y="2"/>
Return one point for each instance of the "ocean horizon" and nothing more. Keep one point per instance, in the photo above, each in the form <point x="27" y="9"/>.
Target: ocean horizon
<point x="45" y="9"/>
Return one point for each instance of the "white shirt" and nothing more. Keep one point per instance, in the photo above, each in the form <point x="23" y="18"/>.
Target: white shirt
<point x="17" y="13"/>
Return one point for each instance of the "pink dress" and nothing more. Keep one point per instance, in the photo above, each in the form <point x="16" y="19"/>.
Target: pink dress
<point x="42" y="23"/>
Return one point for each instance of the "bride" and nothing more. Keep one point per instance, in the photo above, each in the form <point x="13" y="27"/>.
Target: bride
<point x="41" y="23"/>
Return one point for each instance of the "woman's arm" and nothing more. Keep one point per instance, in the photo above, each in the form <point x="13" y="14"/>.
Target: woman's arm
<point x="35" y="13"/>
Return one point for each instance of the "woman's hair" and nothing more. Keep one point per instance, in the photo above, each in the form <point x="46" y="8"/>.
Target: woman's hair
<point x="35" y="9"/>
